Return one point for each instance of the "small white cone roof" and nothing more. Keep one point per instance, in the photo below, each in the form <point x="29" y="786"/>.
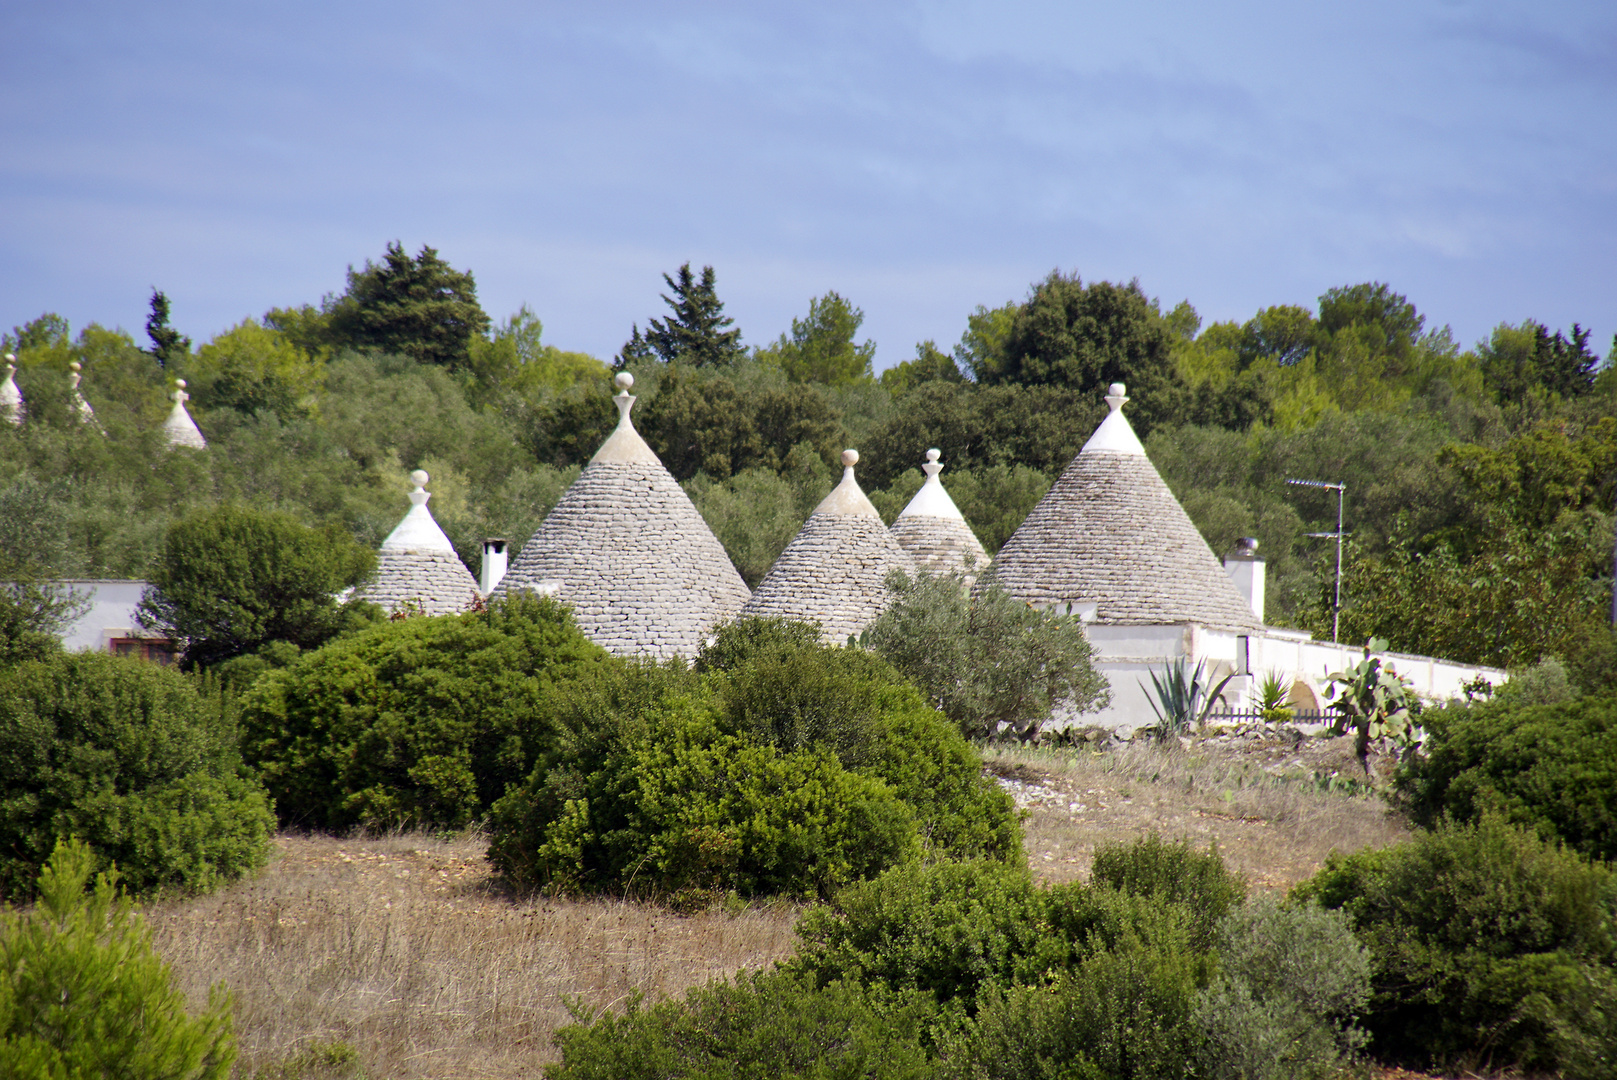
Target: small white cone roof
<point x="1110" y="533"/>
<point x="834" y="572"/>
<point x="11" y="405"/>
<point x="934" y="532"/>
<point x="179" y="429"/>
<point x="626" y="548"/>
<point x="417" y="564"/>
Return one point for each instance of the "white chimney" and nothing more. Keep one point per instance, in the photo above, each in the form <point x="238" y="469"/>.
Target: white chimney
<point x="494" y="559"/>
<point x="1245" y="567"/>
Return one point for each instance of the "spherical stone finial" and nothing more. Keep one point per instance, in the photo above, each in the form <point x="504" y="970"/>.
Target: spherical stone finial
<point x="75" y="366"/>
<point x="11" y="358"/>
<point x="850" y="458"/>
<point x="624" y="381"/>
<point x="933" y="454"/>
<point x="1117" y="389"/>
<point x="419" y="477"/>
<point x="180" y="383"/>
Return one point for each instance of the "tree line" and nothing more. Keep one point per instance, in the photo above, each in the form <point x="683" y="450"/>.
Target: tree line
<point x="1480" y="480"/>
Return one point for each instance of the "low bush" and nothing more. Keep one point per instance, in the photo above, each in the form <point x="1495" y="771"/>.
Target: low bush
<point x="775" y="1026"/>
<point x="1175" y="872"/>
<point x="1552" y="768"/>
<point x="1491" y="948"/>
<point x="84" y="995"/>
<point x="127" y="756"/>
<point x="417" y="722"/>
<point x="679" y="808"/>
<point x="1291" y="984"/>
<point x="781" y="765"/>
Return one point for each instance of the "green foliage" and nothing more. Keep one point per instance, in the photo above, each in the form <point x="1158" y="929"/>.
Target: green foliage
<point x="128" y="756"/>
<point x="1291" y="984"/>
<point x="1086" y="337"/>
<point x="697" y="334"/>
<point x="1273" y="694"/>
<point x="1184" y="697"/>
<point x="230" y="580"/>
<point x="756" y="512"/>
<point x="422" y="308"/>
<point x="252" y="367"/>
<point x="820" y="348"/>
<point x="1547" y="767"/>
<point x="709" y="422"/>
<point x="516" y="358"/>
<point x="1491" y="949"/>
<point x="1518" y="361"/>
<point x="1374" y="701"/>
<point x="419" y="722"/>
<point x="33" y="616"/>
<point x="785" y="766"/>
<point x="678" y="808"/>
<point x="762" y="1026"/>
<point x="84" y="994"/>
<point x="990" y="663"/>
<point x="931" y="364"/>
<point x="1177" y="873"/>
<point x="167" y="343"/>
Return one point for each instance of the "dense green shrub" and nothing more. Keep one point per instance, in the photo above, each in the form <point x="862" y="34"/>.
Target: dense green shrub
<point x="1491" y="948"/>
<point x="679" y="807"/>
<point x="1123" y="1013"/>
<point x="954" y="928"/>
<point x="1552" y="768"/>
<point x="126" y="755"/>
<point x="1290" y="986"/>
<point x="230" y="579"/>
<point x="772" y="727"/>
<point x="84" y="995"/>
<point x="774" y="1026"/>
<point x="783" y="686"/>
<point x="421" y="721"/>
<point x="1176" y="872"/>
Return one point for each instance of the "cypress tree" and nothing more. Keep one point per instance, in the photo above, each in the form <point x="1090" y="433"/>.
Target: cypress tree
<point x="422" y="308"/>
<point x="167" y="342"/>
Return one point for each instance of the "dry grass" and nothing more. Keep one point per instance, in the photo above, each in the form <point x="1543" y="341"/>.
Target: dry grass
<point x="1261" y="804"/>
<point x="406" y="950"/>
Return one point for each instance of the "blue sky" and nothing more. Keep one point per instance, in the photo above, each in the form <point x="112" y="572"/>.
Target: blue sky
<point x="918" y="158"/>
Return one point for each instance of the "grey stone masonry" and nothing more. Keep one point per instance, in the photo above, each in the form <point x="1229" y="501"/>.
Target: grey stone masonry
<point x="1110" y="533"/>
<point x="436" y="580"/>
<point x="941" y="545"/>
<point x="834" y="572"/>
<point x="641" y="569"/>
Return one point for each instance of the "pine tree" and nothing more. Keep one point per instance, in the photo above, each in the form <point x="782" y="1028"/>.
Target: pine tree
<point x="84" y="994"/>
<point x="422" y="308"/>
<point x="167" y="342"/>
<point x="698" y="334"/>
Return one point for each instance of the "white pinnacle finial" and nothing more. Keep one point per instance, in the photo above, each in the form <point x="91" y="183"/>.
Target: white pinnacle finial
<point x="623" y="399"/>
<point x="1115" y="435"/>
<point x="850" y="458"/>
<point x="11" y="407"/>
<point x="1116" y="395"/>
<point x="76" y="368"/>
<point x="420" y="495"/>
<point x="932" y="467"/>
<point x="179" y="395"/>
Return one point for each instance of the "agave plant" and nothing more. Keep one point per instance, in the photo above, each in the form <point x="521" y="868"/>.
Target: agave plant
<point x="1273" y="692"/>
<point x="1185" y="697"/>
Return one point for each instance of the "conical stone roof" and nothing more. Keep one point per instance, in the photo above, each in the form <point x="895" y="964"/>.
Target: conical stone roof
<point x="933" y="531"/>
<point x="834" y="572"/>
<point x="179" y="428"/>
<point x="1110" y="533"/>
<point x="627" y="549"/>
<point x="417" y="564"/>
